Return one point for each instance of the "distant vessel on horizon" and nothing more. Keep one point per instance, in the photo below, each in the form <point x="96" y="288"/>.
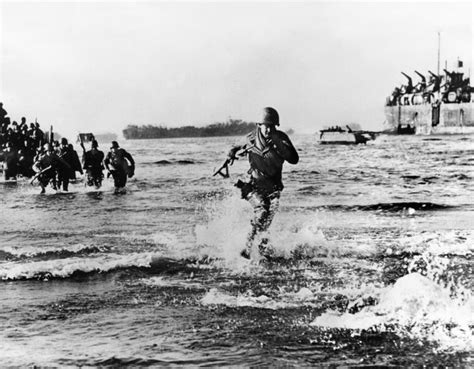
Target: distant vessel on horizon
<point x="345" y="136"/>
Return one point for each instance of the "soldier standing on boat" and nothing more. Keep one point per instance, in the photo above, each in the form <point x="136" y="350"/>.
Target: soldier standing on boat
<point x="10" y="162"/>
<point x="3" y="114"/>
<point x="121" y="165"/>
<point x="267" y="149"/>
<point x="92" y="162"/>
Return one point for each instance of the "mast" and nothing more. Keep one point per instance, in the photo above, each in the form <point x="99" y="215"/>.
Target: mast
<point x="439" y="49"/>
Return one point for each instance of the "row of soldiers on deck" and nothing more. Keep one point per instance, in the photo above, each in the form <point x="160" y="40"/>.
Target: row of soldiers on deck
<point x="27" y="153"/>
<point x="20" y="140"/>
<point x="453" y="82"/>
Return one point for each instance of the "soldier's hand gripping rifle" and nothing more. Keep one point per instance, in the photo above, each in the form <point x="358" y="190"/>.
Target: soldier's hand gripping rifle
<point x="232" y="156"/>
<point x="37" y="175"/>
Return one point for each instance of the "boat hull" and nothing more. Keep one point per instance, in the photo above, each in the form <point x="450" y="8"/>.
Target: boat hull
<point x="455" y="118"/>
<point x="343" y="138"/>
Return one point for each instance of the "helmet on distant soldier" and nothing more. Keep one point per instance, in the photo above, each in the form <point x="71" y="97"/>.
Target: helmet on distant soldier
<point x="63" y="141"/>
<point x="115" y="145"/>
<point x="94" y="143"/>
<point x="270" y="117"/>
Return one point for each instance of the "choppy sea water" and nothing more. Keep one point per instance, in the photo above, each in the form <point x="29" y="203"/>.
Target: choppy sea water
<point x="374" y="249"/>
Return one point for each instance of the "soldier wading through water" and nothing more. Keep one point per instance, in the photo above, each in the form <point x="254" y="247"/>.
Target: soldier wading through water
<point x="267" y="149"/>
<point x="121" y="165"/>
<point x="92" y="163"/>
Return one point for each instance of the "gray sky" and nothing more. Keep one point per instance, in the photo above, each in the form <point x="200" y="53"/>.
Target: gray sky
<point x="90" y="66"/>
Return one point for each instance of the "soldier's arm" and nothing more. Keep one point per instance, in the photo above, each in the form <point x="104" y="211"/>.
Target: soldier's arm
<point x="283" y="146"/>
<point x="129" y="157"/>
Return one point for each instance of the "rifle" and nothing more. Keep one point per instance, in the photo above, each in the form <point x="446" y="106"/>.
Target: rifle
<point x="225" y="166"/>
<point x="39" y="173"/>
<point x="230" y="161"/>
<point x="82" y="143"/>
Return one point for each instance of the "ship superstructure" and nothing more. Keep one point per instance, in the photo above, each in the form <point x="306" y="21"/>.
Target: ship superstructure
<point x="438" y="103"/>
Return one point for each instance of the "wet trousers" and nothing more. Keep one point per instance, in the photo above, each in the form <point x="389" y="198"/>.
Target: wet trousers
<point x="46" y="177"/>
<point x="120" y="178"/>
<point x="264" y="209"/>
<point x="94" y="177"/>
<point x="63" y="179"/>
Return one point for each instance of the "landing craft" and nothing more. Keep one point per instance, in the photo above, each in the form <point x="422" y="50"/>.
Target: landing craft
<point x="444" y="106"/>
<point x="345" y="136"/>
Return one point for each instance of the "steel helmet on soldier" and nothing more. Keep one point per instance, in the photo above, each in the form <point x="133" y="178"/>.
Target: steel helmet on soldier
<point x="270" y="117"/>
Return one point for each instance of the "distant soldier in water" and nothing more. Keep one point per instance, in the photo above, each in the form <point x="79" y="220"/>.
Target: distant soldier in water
<point x="92" y="162"/>
<point x="121" y="165"/>
<point x="64" y="172"/>
<point x="76" y="165"/>
<point x="46" y="166"/>
<point x="267" y="148"/>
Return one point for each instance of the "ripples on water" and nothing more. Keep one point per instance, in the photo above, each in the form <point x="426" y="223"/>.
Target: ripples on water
<point x="373" y="262"/>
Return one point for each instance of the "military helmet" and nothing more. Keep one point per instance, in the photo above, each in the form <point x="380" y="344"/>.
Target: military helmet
<point x="270" y="117"/>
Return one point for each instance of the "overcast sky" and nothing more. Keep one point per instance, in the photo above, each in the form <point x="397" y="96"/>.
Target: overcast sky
<point x="99" y="66"/>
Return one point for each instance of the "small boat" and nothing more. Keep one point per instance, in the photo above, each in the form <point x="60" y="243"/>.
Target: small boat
<point x="345" y="136"/>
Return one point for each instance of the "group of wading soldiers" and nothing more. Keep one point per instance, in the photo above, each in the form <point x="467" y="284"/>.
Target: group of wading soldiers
<point x="58" y="166"/>
<point x="25" y="151"/>
<point x="266" y="147"/>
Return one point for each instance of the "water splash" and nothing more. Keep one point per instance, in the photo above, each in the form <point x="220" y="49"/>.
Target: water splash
<point x="426" y="305"/>
<point x="227" y="224"/>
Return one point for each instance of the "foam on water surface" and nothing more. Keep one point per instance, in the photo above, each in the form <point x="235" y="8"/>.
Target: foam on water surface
<point x="62" y="268"/>
<point x="416" y="307"/>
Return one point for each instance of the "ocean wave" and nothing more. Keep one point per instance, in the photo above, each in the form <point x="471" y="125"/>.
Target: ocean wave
<point x="149" y="263"/>
<point x="9" y="253"/>
<point x="161" y="281"/>
<point x="454" y="242"/>
<point x="392" y="207"/>
<point x="303" y="297"/>
<point x="75" y="266"/>
<point x="172" y="162"/>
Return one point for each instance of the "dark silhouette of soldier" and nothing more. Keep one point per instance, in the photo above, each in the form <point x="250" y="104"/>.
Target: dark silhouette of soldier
<point x="92" y="161"/>
<point x="267" y="149"/>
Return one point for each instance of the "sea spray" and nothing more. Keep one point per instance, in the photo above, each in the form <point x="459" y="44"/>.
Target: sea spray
<point x="426" y="305"/>
<point x="227" y="224"/>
